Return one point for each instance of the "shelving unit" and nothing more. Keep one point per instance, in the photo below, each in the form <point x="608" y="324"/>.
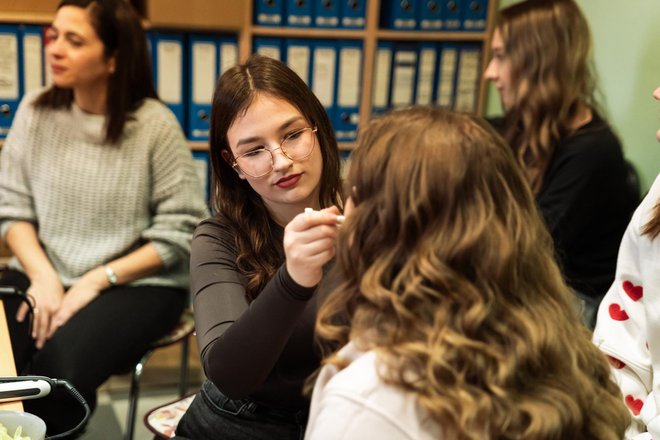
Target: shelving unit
<point x="370" y="36"/>
<point x="236" y="16"/>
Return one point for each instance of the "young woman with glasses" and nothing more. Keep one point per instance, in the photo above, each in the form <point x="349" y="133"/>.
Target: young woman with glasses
<point x="255" y="265"/>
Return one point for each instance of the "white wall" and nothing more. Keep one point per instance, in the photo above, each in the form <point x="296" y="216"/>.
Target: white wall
<point x="626" y="37"/>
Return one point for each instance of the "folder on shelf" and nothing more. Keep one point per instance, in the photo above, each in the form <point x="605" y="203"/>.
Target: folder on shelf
<point x="349" y="82"/>
<point x="167" y="53"/>
<point x="429" y="15"/>
<point x="450" y="10"/>
<point x="32" y="61"/>
<point x="353" y="13"/>
<point x="324" y="70"/>
<point x="446" y="78"/>
<point x="426" y="67"/>
<point x="474" y="15"/>
<point x="380" y="96"/>
<point x="228" y="53"/>
<point x="404" y="72"/>
<point x="10" y="87"/>
<point x="269" y="47"/>
<point x="203" y="73"/>
<point x="399" y="14"/>
<point x="268" y="12"/>
<point x="326" y="13"/>
<point x="203" y="168"/>
<point x="298" y="58"/>
<point x="298" y="13"/>
<point x="467" y="78"/>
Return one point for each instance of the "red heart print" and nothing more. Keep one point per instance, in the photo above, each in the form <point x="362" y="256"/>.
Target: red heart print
<point x="617" y="313"/>
<point x="635" y="405"/>
<point x="634" y="292"/>
<point x="615" y="363"/>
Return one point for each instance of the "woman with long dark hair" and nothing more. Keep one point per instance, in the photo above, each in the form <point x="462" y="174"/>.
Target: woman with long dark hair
<point x="98" y="201"/>
<point x="255" y="265"/>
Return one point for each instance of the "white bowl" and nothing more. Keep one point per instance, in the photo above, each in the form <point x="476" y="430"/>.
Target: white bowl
<point x="33" y="426"/>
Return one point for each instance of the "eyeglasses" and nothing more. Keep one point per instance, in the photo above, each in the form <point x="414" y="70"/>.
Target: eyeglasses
<point x="297" y="145"/>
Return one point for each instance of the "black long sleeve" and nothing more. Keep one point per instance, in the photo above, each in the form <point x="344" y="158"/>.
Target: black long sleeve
<point x="586" y="205"/>
<point x="264" y="349"/>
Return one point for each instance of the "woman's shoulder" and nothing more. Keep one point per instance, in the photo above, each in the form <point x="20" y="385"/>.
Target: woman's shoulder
<point x="153" y="110"/>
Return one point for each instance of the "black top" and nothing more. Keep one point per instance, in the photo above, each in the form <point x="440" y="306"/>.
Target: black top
<point x="587" y="204"/>
<point x="263" y="350"/>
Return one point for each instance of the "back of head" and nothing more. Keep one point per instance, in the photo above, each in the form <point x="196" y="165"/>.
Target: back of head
<point x="549" y="48"/>
<point x="234" y="198"/>
<point x="448" y="274"/>
<point x="118" y="27"/>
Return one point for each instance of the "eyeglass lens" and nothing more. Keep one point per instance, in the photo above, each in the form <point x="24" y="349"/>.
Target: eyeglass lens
<point x="297" y="146"/>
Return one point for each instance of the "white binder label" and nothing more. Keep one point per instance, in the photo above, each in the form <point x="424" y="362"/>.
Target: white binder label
<point x="323" y="81"/>
<point x="8" y="67"/>
<point x="446" y="78"/>
<point x="228" y="56"/>
<point x="204" y="62"/>
<point x="298" y="61"/>
<point x="270" y="52"/>
<point x="425" y="76"/>
<point x="468" y="77"/>
<point x="170" y="63"/>
<point x="350" y="61"/>
<point x="382" y="77"/>
<point x="404" y="78"/>
<point x="33" y="65"/>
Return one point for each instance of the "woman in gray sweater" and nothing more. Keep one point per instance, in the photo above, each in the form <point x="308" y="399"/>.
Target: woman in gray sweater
<point x="98" y="201"/>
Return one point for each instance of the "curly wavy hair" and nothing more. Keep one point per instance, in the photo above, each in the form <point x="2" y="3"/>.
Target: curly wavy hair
<point x="234" y="199"/>
<point x="447" y="272"/>
<point x="548" y="45"/>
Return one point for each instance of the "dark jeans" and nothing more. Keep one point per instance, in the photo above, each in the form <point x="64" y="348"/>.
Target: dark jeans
<point x="213" y="416"/>
<point x="106" y="337"/>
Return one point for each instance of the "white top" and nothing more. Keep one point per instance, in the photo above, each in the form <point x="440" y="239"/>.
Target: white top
<point x="355" y="403"/>
<point x="92" y="202"/>
<point x="628" y="328"/>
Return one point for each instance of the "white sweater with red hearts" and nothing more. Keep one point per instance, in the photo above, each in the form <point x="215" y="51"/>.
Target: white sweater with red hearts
<point x="628" y="328"/>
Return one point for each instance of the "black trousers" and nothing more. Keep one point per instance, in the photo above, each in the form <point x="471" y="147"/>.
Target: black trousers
<point x="106" y="337"/>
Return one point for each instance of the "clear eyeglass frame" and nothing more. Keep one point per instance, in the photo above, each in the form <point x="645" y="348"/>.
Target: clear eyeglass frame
<point x="282" y="147"/>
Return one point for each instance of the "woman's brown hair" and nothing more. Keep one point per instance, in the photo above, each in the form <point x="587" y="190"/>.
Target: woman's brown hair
<point x="447" y="273"/>
<point x="119" y="28"/>
<point x="233" y="198"/>
<point x="548" y="45"/>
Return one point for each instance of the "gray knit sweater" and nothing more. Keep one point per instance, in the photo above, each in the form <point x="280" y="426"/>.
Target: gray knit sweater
<point x="93" y="202"/>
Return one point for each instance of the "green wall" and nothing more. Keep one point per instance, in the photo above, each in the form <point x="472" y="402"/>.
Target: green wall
<point x="627" y="54"/>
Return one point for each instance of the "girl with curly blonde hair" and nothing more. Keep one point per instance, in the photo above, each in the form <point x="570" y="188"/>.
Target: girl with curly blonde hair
<point x="452" y="315"/>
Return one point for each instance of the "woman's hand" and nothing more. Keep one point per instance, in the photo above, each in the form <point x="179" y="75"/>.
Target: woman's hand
<point x="88" y="287"/>
<point x="309" y="243"/>
<point x="47" y="292"/>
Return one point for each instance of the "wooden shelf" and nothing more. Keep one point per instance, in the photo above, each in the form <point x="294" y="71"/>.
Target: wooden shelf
<point x="199" y="145"/>
<point x="386" y="34"/>
<point x="348" y="34"/>
<point x="27" y="17"/>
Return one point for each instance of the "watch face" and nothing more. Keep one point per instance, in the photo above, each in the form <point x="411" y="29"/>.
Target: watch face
<point x="112" y="277"/>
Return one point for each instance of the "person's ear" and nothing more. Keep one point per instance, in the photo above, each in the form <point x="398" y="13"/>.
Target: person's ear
<point x="227" y="157"/>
